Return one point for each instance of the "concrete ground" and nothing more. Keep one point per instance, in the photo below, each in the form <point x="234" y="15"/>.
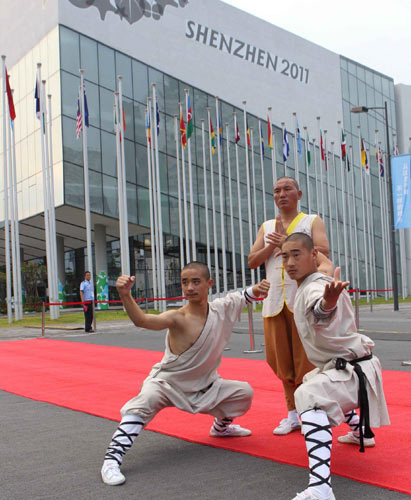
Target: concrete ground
<point x="50" y="452"/>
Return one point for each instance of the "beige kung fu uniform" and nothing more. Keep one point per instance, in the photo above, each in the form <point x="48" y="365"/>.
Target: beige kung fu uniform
<point x="324" y="340"/>
<point x="284" y="351"/>
<point x="189" y="381"/>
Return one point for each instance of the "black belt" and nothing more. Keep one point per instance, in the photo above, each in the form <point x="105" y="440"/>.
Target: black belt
<point x="365" y="429"/>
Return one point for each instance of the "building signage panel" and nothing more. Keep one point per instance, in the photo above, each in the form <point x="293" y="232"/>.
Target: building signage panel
<point x="401" y="172"/>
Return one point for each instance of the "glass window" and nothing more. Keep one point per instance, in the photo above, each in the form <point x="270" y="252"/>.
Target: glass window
<point x="362" y="96"/>
<point x="140" y="123"/>
<point x="94" y="149"/>
<point x="143" y="207"/>
<point x="156" y="77"/>
<point x="128" y="118"/>
<point x="70" y="93"/>
<point x="73" y="185"/>
<point x="69" y="50"/>
<point x="93" y="104"/>
<point x="130" y="161"/>
<point x="141" y="165"/>
<point x="123" y="69"/>
<point x="361" y="73"/>
<point x="96" y="192"/>
<point x="171" y="95"/>
<point x="165" y="213"/>
<point x="172" y="176"/>
<point x="140" y="81"/>
<point x="344" y="84"/>
<point x="352" y="83"/>
<point x="110" y="197"/>
<point x="72" y="147"/>
<point x="88" y="58"/>
<point x="132" y="203"/>
<point x="108" y="150"/>
<point x="106" y="67"/>
<point x="106" y="110"/>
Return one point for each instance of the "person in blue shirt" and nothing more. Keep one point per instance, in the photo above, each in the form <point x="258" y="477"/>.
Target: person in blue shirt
<point x="87" y="295"/>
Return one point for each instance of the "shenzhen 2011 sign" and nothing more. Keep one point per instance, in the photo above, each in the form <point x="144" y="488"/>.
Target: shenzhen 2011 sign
<point x="130" y="10"/>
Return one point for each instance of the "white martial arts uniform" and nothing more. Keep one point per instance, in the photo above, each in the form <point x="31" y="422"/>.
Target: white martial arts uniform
<point x="325" y="340"/>
<point x="189" y="381"/>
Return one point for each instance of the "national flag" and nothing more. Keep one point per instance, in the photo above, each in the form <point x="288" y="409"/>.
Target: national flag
<point x="262" y="140"/>
<point x="10" y="98"/>
<point x="299" y="143"/>
<point x="79" y="121"/>
<point x="190" y="124"/>
<point x="322" y="145"/>
<point x="212" y="137"/>
<point x="286" y="146"/>
<point x="237" y="135"/>
<point x="343" y="145"/>
<point x="220" y="131"/>
<point x="148" y="125"/>
<point x="158" y="119"/>
<point x="364" y="157"/>
<point x="307" y="141"/>
<point x="183" y="134"/>
<point x="248" y="136"/>
<point x="269" y="134"/>
<point x="37" y="98"/>
<point x="380" y="161"/>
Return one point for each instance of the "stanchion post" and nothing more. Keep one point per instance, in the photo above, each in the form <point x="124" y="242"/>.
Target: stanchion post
<point x="371" y="294"/>
<point x="94" y="316"/>
<point x="251" y="330"/>
<point x="43" y="318"/>
<point x="357" y="308"/>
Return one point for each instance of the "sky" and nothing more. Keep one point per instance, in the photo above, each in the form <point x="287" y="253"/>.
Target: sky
<point x="376" y="33"/>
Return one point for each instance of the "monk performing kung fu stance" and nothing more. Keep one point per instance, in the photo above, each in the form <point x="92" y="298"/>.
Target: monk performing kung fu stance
<point x="186" y="377"/>
<point x="347" y="375"/>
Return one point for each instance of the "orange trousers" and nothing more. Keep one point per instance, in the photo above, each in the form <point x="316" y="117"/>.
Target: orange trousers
<point x="285" y="353"/>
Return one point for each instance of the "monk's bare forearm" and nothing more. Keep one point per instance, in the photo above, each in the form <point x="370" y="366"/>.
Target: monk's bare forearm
<point x="258" y="257"/>
<point x="134" y="312"/>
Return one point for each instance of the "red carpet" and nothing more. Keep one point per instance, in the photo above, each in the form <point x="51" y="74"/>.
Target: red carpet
<point x="99" y="379"/>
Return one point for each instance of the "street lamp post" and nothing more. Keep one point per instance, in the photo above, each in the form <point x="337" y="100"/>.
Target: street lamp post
<point x="364" y="109"/>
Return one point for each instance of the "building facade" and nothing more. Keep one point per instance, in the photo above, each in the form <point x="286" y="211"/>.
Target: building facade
<point x="182" y="45"/>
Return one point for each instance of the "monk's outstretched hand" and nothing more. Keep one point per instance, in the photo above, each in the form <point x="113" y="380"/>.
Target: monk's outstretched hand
<point x="333" y="290"/>
<point x="261" y="289"/>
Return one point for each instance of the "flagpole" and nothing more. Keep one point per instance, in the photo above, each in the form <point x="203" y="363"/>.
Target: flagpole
<point x="350" y="224"/>
<point x="190" y="181"/>
<point x="354" y="204"/>
<point x="378" y="150"/>
<point x="86" y="179"/>
<point x="206" y="195"/>
<point x="273" y="159"/>
<point x="239" y="198"/>
<point x="247" y="166"/>
<point x="180" y="214"/>
<point x="371" y="227"/>
<point x="336" y="205"/>
<point x="120" y="185"/>
<point x="331" y="231"/>
<point x="296" y="166"/>
<point x="365" y="222"/>
<point x="123" y="185"/>
<point x="19" y="301"/>
<point x="221" y="197"/>
<point x="284" y="146"/>
<point x="45" y="191"/>
<point x="12" y="219"/>
<point x="233" y="245"/>
<point x="151" y="203"/>
<point x="388" y="225"/>
<point x="187" y="237"/>
<point x="262" y="170"/>
<point x="216" y="266"/>
<point x="343" y="199"/>
<point x="153" y="131"/>
<point x="52" y="208"/>
<point x="160" y="215"/>
<point x="307" y="170"/>
<point x="321" y="170"/>
<point x="6" y="201"/>
<point x="254" y="197"/>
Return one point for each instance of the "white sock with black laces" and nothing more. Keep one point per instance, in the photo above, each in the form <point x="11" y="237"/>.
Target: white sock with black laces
<point x="124" y="436"/>
<point x="220" y="426"/>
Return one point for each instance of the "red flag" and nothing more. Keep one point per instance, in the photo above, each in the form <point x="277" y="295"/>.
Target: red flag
<point x="237" y="135"/>
<point x="269" y="133"/>
<point x="248" y="136"/>
<point x="10" y="98"/>
<point x="183" y="130"/>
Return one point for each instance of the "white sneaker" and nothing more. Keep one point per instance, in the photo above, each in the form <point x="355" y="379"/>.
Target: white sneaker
<point x="286" y="426"/>
<point x="307" y="495"/>
<point x="111" y="475"/>
<point x="231" y="431"/>
<point x="350" y="438"/>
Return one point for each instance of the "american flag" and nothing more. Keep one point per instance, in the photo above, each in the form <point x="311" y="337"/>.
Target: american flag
<point x="79" y="121"/>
